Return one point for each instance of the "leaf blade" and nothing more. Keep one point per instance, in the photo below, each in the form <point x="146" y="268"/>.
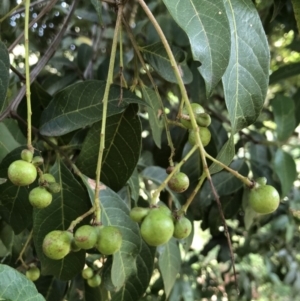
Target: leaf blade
<point x="4" y="75"/>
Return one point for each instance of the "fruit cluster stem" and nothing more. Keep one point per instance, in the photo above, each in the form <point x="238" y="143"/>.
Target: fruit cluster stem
<point x="79" y="219"/>
<point x="27" y="75"/>
<point x="104" y="113"/>
<point x="20" y="257"/>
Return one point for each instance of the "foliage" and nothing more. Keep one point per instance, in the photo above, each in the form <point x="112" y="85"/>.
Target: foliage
<point x="109" y="85"/>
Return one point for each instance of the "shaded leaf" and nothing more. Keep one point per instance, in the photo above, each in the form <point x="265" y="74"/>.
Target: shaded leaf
<point x="285" y="169"/>
<point x="98" y="7"/>
<point x="122" y="148"/>
<point x="284" y="116"/>
<point x="14" y="286"/>
<point x="85" y="52"/>
<point x="245" y="81"/>
<point x="154" y="112"/>
<point x="66" y="206"/>
<point x="15" y="208"/>
<point x="169" y="263"/>
<point x="51" y="288"/>
<point x="206" y="24"/>
<point x="80" y="105"/>
<point x="115" y="213"/>
<point x="157" y="57"/>
<point x="284" y="72"/>
<point x="4" y="75"/>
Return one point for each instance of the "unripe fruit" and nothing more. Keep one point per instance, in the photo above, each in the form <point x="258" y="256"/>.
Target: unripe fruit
<point x="261" y="181"/>
<point x="197" y="109"/>
<point x="264" y="199"/>
<point x="74" y="247"/>
<point x="179" y="182"/>
<point x="169" y="169"/>
<point x="94" y="281"/>
<point x="26" y="155"/>
<point x="203" y="119"/>
<point x="87" y="273"/>
<point x="54" y="187"/>
<point x="47" y="177"/>
<point x="22" y="173"/>
<point x="40" y="198"/>
<point x="37" y="161"/>
<point x="85" y="237"/>
<point x="109" y="240"/>
<point x="33" y="273"/>
<point x="204" y="133"/>
<point x="57" y="244"/>
<point x="137" y="214"/>
<point x="157" y="228"/>
<point x="183" y="228"/>
<point x="165" y="210"/>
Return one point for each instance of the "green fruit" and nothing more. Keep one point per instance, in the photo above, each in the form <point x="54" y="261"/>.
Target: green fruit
<point x="54" y="187"/>
<point x="87" y="273"/>
<point x="47" y="177"/>
<point x="85" y="237"/>
<point x="137" y="214"/>
<point x="179" y="182"/>
<point x="109" y="240"/>
<point x="22" y="173"/>
<point x="197" y="109"/>
<point x="203" y="119"/>
<point x="264" y="199"/>
<point x="57" y="244"/>
<point x="33" y="273"/>
<point x="51" y="139"/>
<point x="183" y="228"/>
<point x="157" y="228"/>
<point x="74" y="247"/>
<point x="94" y="281"/>
<point x="37" y="161"/>
<point x="40" y="198"/>
<point x="26" y="155"/>
<point x="165" y="210"/>
<point x="261" y="181"/>
<point x="204" y="133"/>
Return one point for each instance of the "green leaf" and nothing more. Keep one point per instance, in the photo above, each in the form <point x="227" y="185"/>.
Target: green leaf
<point x="134" y="185"/>
<point x="66" y="206"/>
<point x="225" y="155"/>
<point x="137" y="284"/>
<point x="206" y="24"/>
<point x="245" y="81"/>
<point x="169" y="263"/>
<point x="15" y="208"/>
<point x="84" y="54"/>
<point x="4" y="75"/>
<point x="98" y="7"/>
<point x="157" y="57"/>
<point x="296" y="7"/>
<point x="51" y="288"/>
<point x="285" y="169"/>
<point x="8" y="142"/>
<point x="284" y="72"/>
<point x="15" y="286"/>
<point x="296" y="98"/>
<point x="80" y="105"/>
<point x="284" y="116"/>
<point x="122" y="148"/>
<point x="154" y="112"/>
<point x="115" y="213"/>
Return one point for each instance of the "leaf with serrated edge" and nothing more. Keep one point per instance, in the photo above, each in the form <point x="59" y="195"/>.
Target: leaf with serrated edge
<point x="207" y="27"/>
<point x="114" y="212"/>
<point x="284" y="116"/>
<point x="80" y="105"/>
<point x="15" y="208"/>
<point x="169" y="263"/>
<point x="158" y="58"/>
<point x="66" y="206"/>
<point x="4" y="75"/>
<point x="246" y="78"/>
<point x="16" y="287"/>
<point x="122" y="148"/>
<point x="154" y="112"/>
<point x="285" y="168"/>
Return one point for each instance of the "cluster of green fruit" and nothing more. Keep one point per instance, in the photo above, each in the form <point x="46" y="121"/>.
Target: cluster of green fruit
<point x="93" y="279"/>
<point x="203" y="121"/>
<point x="263" y="198"/>
<point x="158" y="224"/>
<point x="106" y="239"/>
<point x="24" y="172"/>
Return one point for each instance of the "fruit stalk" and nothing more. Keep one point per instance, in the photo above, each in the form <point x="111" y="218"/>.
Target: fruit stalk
<point x="27" y="75"/>
<point x="20" y="257"/>
<point x="104" y="113"/>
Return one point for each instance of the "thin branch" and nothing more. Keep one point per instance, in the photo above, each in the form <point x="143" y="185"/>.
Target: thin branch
<point x="20" y="10"/>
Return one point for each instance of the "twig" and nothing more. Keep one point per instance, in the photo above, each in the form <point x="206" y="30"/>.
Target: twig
<point x="9" y="13"/>
<point x="20" y="257"/>
<point x="20" y="10"/>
